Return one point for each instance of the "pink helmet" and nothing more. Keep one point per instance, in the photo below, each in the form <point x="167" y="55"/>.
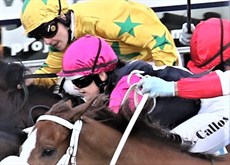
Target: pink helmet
<point x="88" y="55"/>
<point x="206" y="44"/>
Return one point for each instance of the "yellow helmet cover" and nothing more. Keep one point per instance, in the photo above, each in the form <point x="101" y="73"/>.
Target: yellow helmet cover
<point x="36" y="12"/>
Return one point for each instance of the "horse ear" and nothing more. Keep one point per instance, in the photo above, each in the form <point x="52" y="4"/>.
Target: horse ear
<point x="37" y="112"/>
<point x="82" y="108"/>
<point x="69" y="102"/>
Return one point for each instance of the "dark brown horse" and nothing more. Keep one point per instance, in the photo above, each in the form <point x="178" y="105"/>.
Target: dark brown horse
<point x="18" y="105"/>
<point x="147" y="144"/>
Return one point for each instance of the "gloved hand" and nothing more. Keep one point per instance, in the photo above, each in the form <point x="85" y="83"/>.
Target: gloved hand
<point x="185" y="36"/>
<point x="156" y="87"/>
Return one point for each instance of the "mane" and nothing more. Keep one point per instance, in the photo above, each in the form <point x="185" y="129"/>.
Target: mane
<point x="142" y="128"/>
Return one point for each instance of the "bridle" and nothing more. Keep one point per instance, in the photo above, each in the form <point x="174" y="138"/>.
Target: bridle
<point x="71" y="152"/>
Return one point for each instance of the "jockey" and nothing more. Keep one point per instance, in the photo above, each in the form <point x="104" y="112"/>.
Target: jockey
<point x="206" y="55"/>
<point x="210" y="50"/>
<point x="132" y="29"/>
<point x="93" y="67"/>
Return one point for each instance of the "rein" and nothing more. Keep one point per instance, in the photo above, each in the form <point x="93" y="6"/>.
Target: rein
<point x="47" y="75"/>
<point x="128" y="129"/>
<point x="135" y="115"/>
<point x="71" y="152"/>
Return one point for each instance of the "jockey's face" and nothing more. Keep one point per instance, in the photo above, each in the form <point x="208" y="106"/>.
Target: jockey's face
<point x="87" y="87"/>
<point x="89" y="91"/>
<point x="60" y="40"/>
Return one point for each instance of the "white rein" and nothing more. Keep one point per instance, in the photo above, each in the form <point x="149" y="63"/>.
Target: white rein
<point x="135" y="115"/>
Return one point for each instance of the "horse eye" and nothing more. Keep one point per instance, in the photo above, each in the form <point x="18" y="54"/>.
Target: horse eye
<point x="48" y="152"/>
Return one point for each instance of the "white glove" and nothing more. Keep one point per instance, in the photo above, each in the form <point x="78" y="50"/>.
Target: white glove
<point x="185" y="37"/>
<point x="156" y="87"/>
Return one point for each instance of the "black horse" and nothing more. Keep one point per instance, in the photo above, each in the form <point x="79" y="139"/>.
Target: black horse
<point x="18" y="105"/>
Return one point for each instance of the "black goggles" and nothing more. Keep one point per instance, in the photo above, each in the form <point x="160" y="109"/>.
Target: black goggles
<point x="83" y="82"/>
<point x="45" y="30"/>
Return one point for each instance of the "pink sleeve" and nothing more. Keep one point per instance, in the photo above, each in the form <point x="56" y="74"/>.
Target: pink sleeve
<point x="204" y="87"/>
<point x="119" y="92"/>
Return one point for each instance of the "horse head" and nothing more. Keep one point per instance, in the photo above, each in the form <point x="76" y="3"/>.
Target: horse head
<point x="49" y="145"/>
<point x="17" y="104"/>
<point x="53" y="141"/>
<point x="50" y="139"/>
<point x="11" y="75"/>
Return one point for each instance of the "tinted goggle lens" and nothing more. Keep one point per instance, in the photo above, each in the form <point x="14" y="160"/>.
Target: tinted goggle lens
<point x="83" y="82"/>
<point x="46" y="30"/>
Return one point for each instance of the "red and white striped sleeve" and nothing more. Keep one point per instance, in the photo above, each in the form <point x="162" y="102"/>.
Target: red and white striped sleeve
<point x="211" y="85"/>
